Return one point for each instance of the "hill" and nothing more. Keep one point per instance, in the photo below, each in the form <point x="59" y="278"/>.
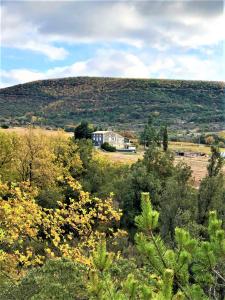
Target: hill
<point x="114" y="102"/>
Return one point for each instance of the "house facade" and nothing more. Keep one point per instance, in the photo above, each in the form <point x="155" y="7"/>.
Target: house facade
<point x="114" y="139"/>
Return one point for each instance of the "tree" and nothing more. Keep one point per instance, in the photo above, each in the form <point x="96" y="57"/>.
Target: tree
<point x="191" y="270"/>
<point x="32" y="234"/>
<point x="149" y="136"/>
<point x="195" y="266"/>
<point x="83" y="131"/>
<point x="165" y="139"/>
<point x="216" y="162"/>
<point x="211" y="195"/>
<point x="57" y="279"/>
<point x="9" y="146"/>
<point x="35" y="160"/>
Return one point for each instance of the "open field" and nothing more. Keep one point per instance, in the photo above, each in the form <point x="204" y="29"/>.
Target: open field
<point x="189" y="147"/>
<point x="23" y="130"/>
<point x="197" y="164"/>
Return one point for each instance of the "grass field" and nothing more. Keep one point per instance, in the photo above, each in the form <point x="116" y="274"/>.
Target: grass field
<point x="189" y="147"/>
<point x="23" y="130"/>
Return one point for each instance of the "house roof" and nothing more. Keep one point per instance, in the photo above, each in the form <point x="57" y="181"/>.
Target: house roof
<point x="101" y="131"/>
<point x="107" y="131"/>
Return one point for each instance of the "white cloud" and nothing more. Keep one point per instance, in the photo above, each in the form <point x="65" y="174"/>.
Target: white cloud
<point x="157" y="24"/>
<point x="17" y="33"/>
<point x="17" y="76"/>
<point x="121" y="64"/>
<point x="105" y="63"/>
<point x="188" y="67"/>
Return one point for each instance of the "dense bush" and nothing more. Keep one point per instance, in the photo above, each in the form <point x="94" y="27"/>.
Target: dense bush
<point x="4" y="126"/>
<point x="107" y="147"/>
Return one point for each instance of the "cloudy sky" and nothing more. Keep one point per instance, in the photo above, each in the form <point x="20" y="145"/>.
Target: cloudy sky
<point x="180" y="39"/>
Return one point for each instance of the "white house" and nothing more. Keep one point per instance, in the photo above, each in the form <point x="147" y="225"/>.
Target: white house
<point x="111" y="137"/>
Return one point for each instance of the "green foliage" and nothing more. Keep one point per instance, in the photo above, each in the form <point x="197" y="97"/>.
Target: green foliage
<point x="107" y="147"/>
<point x="211" y="194"/>
<point x="4" y="126"/>
<point x="196" y="265"/>
<point x="149" y="218"/>
<point x="215" y="163"/>
<point x="191" y="270"/>
<point x="170" y="187"/>
<point x="165" y="139"/>
<point x="101" y="259"/>
<point x="83" y="131"/>
<point x="179" y="251"/>
<point x="57" y="279"/>
<point x="114" y="102"/>
<point x="151" y="136"/>
<point x="217" y="139"/>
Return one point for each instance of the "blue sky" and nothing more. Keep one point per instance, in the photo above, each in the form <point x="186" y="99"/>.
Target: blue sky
<point x="180" y="39"/>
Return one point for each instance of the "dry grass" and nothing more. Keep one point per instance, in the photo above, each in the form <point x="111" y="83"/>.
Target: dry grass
<point x="189" y="147"/>
<point x="119" y="157"/>
<point x="198" y="164"/>
<point x="24" y="130"/>
<point x="222" y="134"/>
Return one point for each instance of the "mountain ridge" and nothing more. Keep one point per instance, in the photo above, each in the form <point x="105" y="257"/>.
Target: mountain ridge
<point x="117" y="102"/>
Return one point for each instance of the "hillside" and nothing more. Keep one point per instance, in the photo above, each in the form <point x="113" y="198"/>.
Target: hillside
<point x="114" y="102"/>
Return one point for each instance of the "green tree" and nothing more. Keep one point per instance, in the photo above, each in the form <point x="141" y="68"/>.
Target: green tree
<point x="150" y="135"/>
<point x="211" y="195"/>
<point x="216" y="162"/>
<point x="192" y="269"/>
<point x="83" y="131"/>
<point x="169" y="185"/>
<point x="58" y="279"/>
<point x="196" y="267"/>
<point x="165" y="139"/>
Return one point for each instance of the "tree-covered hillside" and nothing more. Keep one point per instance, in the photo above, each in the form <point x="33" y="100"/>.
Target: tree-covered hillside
<point x="114" y="102"/>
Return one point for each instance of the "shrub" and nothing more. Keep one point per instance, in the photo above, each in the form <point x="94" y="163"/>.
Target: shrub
<point x="4" y="126"/>
<point x="107" y="147"/>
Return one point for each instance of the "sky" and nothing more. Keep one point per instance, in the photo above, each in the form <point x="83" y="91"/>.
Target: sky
<point x="183" y="39"/>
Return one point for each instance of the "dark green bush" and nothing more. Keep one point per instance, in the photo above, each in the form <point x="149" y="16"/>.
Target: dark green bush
<point x="4" y="126"/>
<point x="107" y="147"/>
